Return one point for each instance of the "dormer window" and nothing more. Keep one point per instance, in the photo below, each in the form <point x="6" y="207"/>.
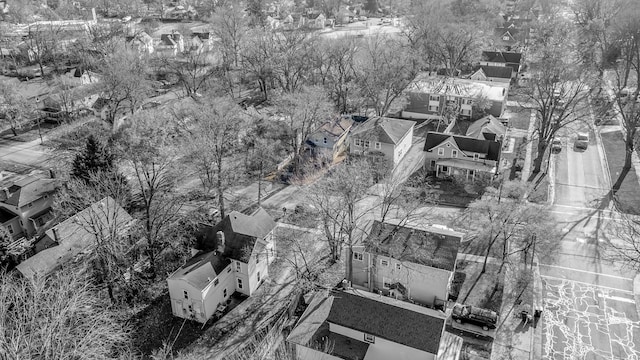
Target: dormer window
<point x="238" y="267"/>
<point x="454" y="153"/>
<point x="440" y="152"/>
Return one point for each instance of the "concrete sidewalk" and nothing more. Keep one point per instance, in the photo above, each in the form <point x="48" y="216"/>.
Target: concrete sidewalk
<point x="517" y="338"/>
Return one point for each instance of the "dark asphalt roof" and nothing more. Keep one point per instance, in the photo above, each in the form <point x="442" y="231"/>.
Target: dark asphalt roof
<point x="393" y="323"/>
<point x="240" y="233"/>
<point x="201" y="269"/>
<point x="502" y="56"/>
<point x="488" y="147"/>
<point x="436" y="247"/>
<point x="6" y="215"/>
<point x="385" y="130"/>
<point x="502" y="72"/>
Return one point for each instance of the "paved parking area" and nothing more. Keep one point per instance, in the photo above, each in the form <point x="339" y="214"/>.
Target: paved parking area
<point x="585" y="321"/>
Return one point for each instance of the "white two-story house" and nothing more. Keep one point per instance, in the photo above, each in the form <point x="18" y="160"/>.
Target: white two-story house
<point x="234" y="256"/>
<point x="448" y="154"/>
<point x="383" y="137"/>
<point x="357" y="325"/>
<point x="408" y="263"/>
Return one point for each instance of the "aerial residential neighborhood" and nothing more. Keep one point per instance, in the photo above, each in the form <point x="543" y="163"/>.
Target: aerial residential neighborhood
<point x="320" y="179"/>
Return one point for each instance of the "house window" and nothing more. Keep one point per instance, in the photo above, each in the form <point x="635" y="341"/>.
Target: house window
<point x="398" y="266"/>
<point x="505" y="38"/>
<point x="476" y="156"/>
<point x="10" y="229"/>
<point x="46" y="197"/>
<point x="356" y="142"/>
<point x="378" y="146"/>
<point x="386" y="284"/>
<point x="444" y="169"/>
<point x="239" y="283"/>
<point x="471" y="172"/>
<point x="238" y="268"/>
<point x="186" y="295"/>
<point x="224" y="293"/>
<point x="434" y="98"/>
<point x="369" y="338"/>
<point x="440" y="152"/>
<point x="367" y="143"/>
<point x="324" y="140"/>
<point x="470" y="101"/>
<point x="357" y="256"/>
<point x="257" y="258"/>
<point x="216" y="282"/>
<point x="433" y="164"/>
<point x="433" y="108"/>
<point x="384" y="262"/>
<point x="454" y="153"/>
<point x="258" y="276"/>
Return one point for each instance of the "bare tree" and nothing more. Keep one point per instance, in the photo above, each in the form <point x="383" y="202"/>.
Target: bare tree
<point x="303" y="112"/>
<point x="125" y="82"/>
<point x="57" y="317"/>
<point x="384" y="70"/>
<point x="148" y="149"/>
<point x="194" y="70"/>
<point x="214" y="139"/>
<point x="624" y="245"/>
<point x="291" y="65"/>
<point x="230" y="25"/>
<point x="258" y="59"/>
<point x="14" y="109"/>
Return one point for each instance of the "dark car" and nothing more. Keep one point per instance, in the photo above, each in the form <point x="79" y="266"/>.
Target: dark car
<point x="487" y="319"/>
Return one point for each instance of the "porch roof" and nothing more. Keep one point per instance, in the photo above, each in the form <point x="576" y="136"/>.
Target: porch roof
<point x="468" y="164"/>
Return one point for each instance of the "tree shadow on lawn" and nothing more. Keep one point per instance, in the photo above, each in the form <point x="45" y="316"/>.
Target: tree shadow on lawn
<point x="486" y="289"/>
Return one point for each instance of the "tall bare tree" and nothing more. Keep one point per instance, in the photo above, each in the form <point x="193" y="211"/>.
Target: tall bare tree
<point x="230" y="24"/>
<point x="14" y="108"/>
<point x="57" y="317"/>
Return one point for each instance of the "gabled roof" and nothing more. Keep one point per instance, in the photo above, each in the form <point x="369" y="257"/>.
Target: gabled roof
<point x="201" y="269"/>
<point x="335" y="127"/>
<point x="487" y="125"/>
<point x="387" y="318"/>
<point x="488" y="147"/>
<point x="501" y="72"/>
<point x="502" y="57"/>
<point x="385" y="130"/>
<point x="240" y="233"/>
<point x="76" y="235"/>
<point x="434" y="247"/>
<point x="27" y="189"/>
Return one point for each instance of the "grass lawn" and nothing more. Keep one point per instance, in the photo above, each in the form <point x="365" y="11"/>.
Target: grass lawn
<point x="28" y="132"/>
<point x="482" y="290"/>
<point x="515" y="159"/>
<point x="518" y="117"/>
<point x="628" y="196"/>
<point x="540" y="192"/>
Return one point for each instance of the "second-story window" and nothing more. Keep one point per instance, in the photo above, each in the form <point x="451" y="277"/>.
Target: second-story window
<point x="186" y="295"/>
<point x="476" y="156"/>
<point x="398" y="266"/>
<point x="454" y="153"/>
<point x="216" y="282"/>
<point x="367" y="143"/>
<point x="440" y="152"/>
<point x="378" y="146"/>
<point x="324" y="140"/>
<point x="356" y="142"/>
<point x="238" y="267"/>
<point x="384" y="262"/>
<point x="357" y="256"/>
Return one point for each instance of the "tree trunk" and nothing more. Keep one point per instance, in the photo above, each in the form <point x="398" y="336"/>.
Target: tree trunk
<point x="260" y="183"/>
<point x="537" y="162"/>
<point x="150" y="242"/>
<point x="220" y="192"/>
<point x="628" y="154"/>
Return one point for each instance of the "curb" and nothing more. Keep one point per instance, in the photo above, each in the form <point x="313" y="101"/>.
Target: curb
<point x="636" y="292"/>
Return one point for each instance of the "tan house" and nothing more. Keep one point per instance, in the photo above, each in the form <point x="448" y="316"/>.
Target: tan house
<point x="448" y="154"/>
<point x="330" y="139"/>
<point x="430" y="95"/>
<point x="352" y="324"/>
<point x="234" y="256"/>
<point x="382" y="137"/>
<point x="492" y="73"/>
<point x="29" y="198"/>
<point x="61" y="244"/>
<point x="406" y="263"/>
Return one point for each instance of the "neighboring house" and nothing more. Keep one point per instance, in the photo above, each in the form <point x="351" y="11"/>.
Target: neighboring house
<point x="330" y="139"/>
<point x="234" y="256"/>
<point x="201" y="41"/>
<point x="512" y="35"/>
<point x="344" y="16"/>
<point x="61" y="244"/>
<point x="487" y="128"/>
<point x="142" y="42"/>
<point x="502" y="58"/>
<point x="448" y="154"/>
<point x="352" y="324"/>
<point x="171" y="44"/>
<point x="382" y="137"/>
<point x="430" y="94"/>
<point x="315" y="21"/>
<point x="63" y="102"/>
<point x="11" y="222"/>
<point x="28" y="197"/>
<point x="492" y="73"/>
<point x="80" y="76"/>
<point x="273" y="23"/>
<point x="406" y="263"/>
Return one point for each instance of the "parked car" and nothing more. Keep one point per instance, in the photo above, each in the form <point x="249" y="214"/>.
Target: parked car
<point x="220" y="311"/>
<point x="556" y="146"/>
<point x="363" y="18"/>
<point x="582" y="141"/>
<point x="487" y="319"/>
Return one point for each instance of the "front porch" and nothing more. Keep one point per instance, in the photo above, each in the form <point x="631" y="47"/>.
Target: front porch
<point x="470" y="169"/>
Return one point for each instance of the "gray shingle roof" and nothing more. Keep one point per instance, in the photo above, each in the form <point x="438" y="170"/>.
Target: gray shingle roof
<point x="488" y="147"/>
<point x="393" y="323"/>
<point x="201" y="269"/>
<point x="434" y="247"/>
<point x="385" y="130"/>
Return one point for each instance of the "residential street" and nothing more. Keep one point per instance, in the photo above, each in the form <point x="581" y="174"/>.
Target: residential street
<point x="23" y="153"/>
<point x="589" y="305"/>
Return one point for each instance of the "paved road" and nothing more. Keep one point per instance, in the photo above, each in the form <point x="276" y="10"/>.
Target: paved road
<point x="589" y="305"/>
<point x="23" y="153"/>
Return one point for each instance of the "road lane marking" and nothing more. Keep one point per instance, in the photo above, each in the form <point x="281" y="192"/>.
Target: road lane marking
<point x="621" y="299"/>
<point x="588" y="284"/>
<point x="587" y="272"/>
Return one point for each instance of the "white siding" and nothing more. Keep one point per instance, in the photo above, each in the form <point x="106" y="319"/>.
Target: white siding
<point x="305" y="353"/>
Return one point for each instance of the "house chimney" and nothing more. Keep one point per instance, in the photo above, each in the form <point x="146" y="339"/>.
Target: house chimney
<point x="221" y="242"/>
<point x="55" y="235"/>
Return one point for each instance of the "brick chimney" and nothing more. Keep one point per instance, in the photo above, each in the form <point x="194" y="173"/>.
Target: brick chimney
<point x="221" y="242"/>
